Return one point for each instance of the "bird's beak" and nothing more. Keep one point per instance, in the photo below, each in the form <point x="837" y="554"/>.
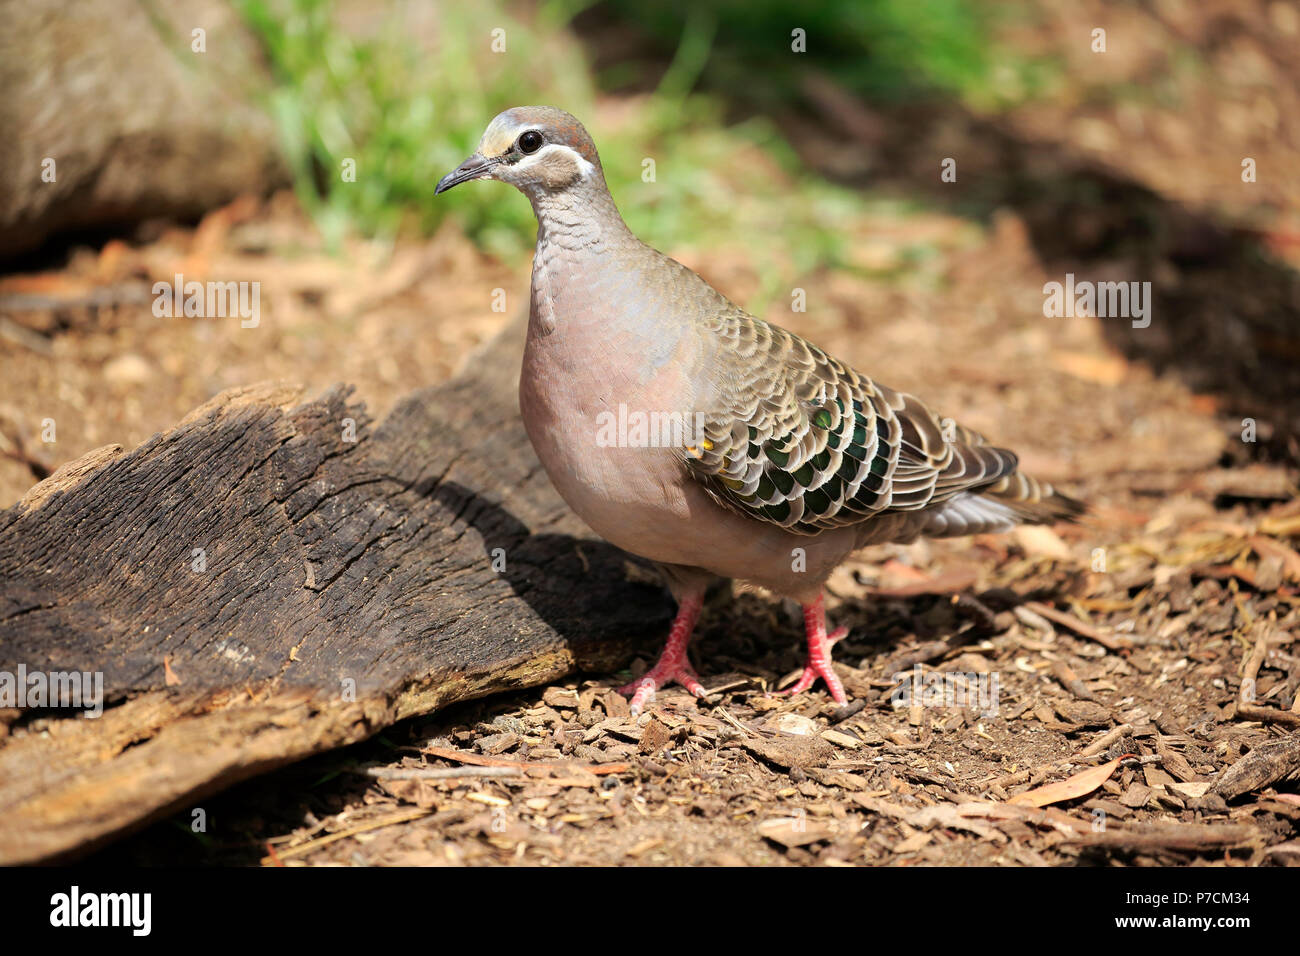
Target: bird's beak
<point x="476" y="167"/>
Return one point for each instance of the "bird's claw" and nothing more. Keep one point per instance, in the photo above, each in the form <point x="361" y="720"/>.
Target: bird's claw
<point x="643" y="688"/>
<point x="819" y="665"/>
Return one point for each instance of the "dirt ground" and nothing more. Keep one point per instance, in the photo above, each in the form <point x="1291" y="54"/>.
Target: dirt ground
<point x="1140" y="619"/>
<point x="1139" y="654"/>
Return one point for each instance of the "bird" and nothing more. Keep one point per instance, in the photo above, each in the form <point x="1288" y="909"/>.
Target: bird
<point x="782" y="460"/>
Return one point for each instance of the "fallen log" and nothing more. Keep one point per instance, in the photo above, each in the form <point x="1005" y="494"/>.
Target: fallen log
<point x="272" y="578"/>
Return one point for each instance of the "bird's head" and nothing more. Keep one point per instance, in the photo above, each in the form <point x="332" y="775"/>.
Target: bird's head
<point x="535" y="149"/>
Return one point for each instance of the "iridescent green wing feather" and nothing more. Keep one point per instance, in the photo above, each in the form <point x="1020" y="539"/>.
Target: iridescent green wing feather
<point x="803" y="441"/>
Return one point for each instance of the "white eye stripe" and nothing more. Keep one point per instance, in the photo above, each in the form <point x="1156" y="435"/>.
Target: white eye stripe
<point x="583" y="164"/>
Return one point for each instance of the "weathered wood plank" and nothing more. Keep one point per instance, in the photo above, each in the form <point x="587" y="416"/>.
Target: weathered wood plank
<point x="343" y="585"/>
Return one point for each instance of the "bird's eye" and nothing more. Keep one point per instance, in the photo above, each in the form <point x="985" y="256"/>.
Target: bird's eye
<point x="530" y="141"/>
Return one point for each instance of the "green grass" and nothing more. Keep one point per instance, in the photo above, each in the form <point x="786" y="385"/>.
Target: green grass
<point x="881" y="50"/>
<point x="406" y="115"/>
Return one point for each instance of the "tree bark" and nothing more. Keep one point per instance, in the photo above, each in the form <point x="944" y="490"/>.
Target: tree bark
<point x="256" y="588"/>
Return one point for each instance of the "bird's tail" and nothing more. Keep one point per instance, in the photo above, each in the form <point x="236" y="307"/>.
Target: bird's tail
<point x="1033" y="501"/>
<point x="1013" y="500"/>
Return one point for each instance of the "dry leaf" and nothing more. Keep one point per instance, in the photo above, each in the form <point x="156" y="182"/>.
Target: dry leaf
<point x="1081" y="784"/>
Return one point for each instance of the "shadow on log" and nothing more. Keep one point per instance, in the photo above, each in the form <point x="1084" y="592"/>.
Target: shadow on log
<point x="256" y="588"/>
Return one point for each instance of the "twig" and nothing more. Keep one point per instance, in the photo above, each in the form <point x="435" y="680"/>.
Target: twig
<point x="334" y="837"/>
<point x="735" y="723"/>
<point x="1029" y="774"/>
<point x="1250" y="670"/>
<point x="1284" y="717"/>
<point x="1176" y="836"/>
<point x="477" y="760"/>
<point x="22" y="335"/>
<point x="851" y="709"/>
<point x="1246" y="706"/>
<point x="1103" y="742"/>
<point x="437" y="773"/>
<point x="730" y="685"/>
<point x="1080" y="626"/>
<point x="1070" y="681"/>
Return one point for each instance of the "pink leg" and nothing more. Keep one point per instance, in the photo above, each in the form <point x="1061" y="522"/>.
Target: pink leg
<point x="819" y="652"/>
<point x="673" y="664"/>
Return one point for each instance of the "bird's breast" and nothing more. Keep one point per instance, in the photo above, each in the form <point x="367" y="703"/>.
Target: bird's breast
<point x="607" y="418"/>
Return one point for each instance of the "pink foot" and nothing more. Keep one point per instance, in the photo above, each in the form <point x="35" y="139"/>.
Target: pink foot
<point x="673" y="664"/>
<point x="819" y="653"/>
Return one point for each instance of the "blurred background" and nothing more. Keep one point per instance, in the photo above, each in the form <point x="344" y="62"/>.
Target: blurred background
<point x="771" y="146"/>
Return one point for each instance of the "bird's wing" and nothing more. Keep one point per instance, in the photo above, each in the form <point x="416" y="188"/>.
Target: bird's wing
<point x="799" y="439"/>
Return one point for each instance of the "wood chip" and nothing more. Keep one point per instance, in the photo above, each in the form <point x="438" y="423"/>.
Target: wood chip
<point x="654" y="737"/>
<point x="1193" y="791"/>
<point x="795" y="831"/>
<point x="789" y="752"/>
<point x="1267" y="764"/>
<point x="840" y="738"/>
<point x="560" y="697"/>
<point x="796" y="724"/>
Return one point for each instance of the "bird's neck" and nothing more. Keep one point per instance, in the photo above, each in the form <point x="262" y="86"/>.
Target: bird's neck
<point x="600" y="326"/>
<point x="581" y="219"/>
<point x="584" y="269"/>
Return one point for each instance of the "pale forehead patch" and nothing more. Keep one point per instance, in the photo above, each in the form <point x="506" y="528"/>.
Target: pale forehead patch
<point x="500" y="134"/>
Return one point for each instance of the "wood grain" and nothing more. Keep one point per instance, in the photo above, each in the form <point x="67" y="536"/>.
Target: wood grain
<point x="346" y="585"/>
